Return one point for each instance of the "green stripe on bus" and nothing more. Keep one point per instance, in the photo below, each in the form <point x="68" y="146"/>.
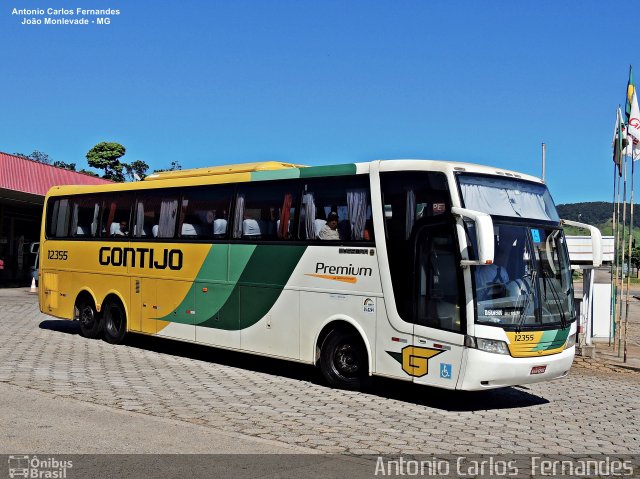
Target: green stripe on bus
<point x="257" y="289"/>
<point x="552" y="339"/>
<point x="217" y="279"/>
<point x="239" y="257"/>
<point x="396" y="356"/>
<point x="275" y="174"/>
<point x="329" y="170"/>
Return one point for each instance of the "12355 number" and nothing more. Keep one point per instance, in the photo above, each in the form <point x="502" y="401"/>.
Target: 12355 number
<point x="57" y="254"/>
<point x="524" y="337"/>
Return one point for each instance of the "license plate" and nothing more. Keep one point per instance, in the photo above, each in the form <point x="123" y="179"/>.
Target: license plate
<point x="538" y="369"/>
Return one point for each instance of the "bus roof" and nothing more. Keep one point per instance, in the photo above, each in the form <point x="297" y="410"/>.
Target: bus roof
<point x="222" y="170"/>
<point x="454" y="166"/>
<point x="274" y="170"/>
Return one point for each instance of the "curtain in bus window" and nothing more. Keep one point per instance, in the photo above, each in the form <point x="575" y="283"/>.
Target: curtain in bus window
<point x="504" y="202"/>
<point x="74" y="219"/>
<point x="285" y="214"/>
<point x="309" y="205"/>
<point x="183" y="212"/>
<point x="137" y="232"/>
<point x="112" y="214"/>
<point x="410" y="212"/>
<point x="94" y="223"/>
<point x="357" y="211"/>
<point x="53" y="221"/>
<point x="63" y="219"/>
<point x="168" y="215"/>
<point x="238" y="217"/>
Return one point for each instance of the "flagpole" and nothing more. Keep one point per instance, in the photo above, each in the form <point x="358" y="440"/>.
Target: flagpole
<point x="633" y="130"/>
<point x="616" y="249"/>
<point x="624" y="226"/>
<point x="626" y="314"/>
<point x="544" y="160"/>
<point x="617" y="258"/>
<point x="612" y="315"/>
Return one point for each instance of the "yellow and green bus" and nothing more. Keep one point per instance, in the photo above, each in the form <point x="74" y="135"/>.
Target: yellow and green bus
<point x="446" y="274"/>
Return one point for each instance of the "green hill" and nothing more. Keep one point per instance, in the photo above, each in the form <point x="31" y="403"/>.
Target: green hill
<point x="596" y="213"/>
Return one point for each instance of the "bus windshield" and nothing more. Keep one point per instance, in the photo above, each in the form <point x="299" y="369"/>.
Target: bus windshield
<point x="529" y="285"/>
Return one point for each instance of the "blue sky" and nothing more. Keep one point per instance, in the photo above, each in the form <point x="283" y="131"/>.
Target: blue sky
<point x="322" y="82"/>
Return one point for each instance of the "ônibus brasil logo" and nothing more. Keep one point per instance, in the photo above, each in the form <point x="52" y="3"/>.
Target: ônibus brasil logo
<point x="40" y="468"/>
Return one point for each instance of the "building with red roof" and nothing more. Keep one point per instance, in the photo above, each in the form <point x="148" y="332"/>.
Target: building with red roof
<point x="23" y="186"/>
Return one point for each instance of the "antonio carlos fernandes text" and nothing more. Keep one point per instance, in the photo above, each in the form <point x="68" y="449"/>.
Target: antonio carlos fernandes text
<point x="495" y="467"/>
<point x="64" y="11"/>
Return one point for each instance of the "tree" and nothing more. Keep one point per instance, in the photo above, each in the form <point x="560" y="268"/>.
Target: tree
<point x="106" y="156"/>
<point x="65" y="166"/>
<point x="137" y="167"/>
<point x="90" y="173"/>
<point x="40" y="157"/>
<point x="175" y="165"/>
<point x="37" y="155"/>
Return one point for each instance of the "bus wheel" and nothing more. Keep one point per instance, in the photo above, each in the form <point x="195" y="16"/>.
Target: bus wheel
<point x="343" y="360"/>
<point x="90" y="323"/>
<point x="115" y="322"/>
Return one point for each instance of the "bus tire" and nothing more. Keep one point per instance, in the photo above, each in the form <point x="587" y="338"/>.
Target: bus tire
<point x="89" y="319"/>
<point x="115" y="322"/>
<point x="343" y="360"/>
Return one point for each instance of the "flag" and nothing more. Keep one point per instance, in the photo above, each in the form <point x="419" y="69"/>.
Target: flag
<point x="619" y="141"/>
<point x="631" y="150"/>
<point x="631" y="89"/>
<point x="633" y="128"/>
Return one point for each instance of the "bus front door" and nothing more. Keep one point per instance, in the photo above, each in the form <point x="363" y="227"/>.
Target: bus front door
<point x="438" y="315"/>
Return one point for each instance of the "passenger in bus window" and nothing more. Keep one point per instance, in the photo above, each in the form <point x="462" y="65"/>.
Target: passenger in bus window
<point x="330" y="230"/>
<point x="122" y="229"/>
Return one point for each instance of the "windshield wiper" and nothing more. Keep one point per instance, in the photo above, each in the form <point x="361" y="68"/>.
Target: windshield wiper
<point x="527" y="300"/>
<point x="556" y="298"/>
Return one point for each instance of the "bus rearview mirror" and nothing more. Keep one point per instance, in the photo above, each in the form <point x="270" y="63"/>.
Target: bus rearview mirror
<point x="484" y="235"/>
<point x="596" y="240"/>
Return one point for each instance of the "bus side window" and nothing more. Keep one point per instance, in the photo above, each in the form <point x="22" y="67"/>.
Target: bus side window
<point x="205" y="212"/>
<point x="265" y="210"/>
<point x="116" y="215"/>
<point x="155" y="215"/>
<point x="59" y="219"/>
<point x="85" y="216"/>
<point x="348" y="197"/>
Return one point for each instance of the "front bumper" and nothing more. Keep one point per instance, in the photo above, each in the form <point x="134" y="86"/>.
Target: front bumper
<point x="487" y="370"/>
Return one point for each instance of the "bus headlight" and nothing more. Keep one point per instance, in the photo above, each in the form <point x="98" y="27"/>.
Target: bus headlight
<point x="487" y="345"/>
<point x="571" y="341"/>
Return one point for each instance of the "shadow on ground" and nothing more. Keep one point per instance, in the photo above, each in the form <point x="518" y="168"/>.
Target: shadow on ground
<point x="460" y="401"/>
<point x="61" y="326"/>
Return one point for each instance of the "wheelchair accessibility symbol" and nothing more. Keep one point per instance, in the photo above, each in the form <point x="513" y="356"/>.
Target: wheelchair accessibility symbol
<point x="445" y="371"/>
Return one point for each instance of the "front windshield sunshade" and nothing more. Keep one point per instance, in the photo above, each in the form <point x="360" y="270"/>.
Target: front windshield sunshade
<point x="509" y="197"/>
<point x="529" y="284"/>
